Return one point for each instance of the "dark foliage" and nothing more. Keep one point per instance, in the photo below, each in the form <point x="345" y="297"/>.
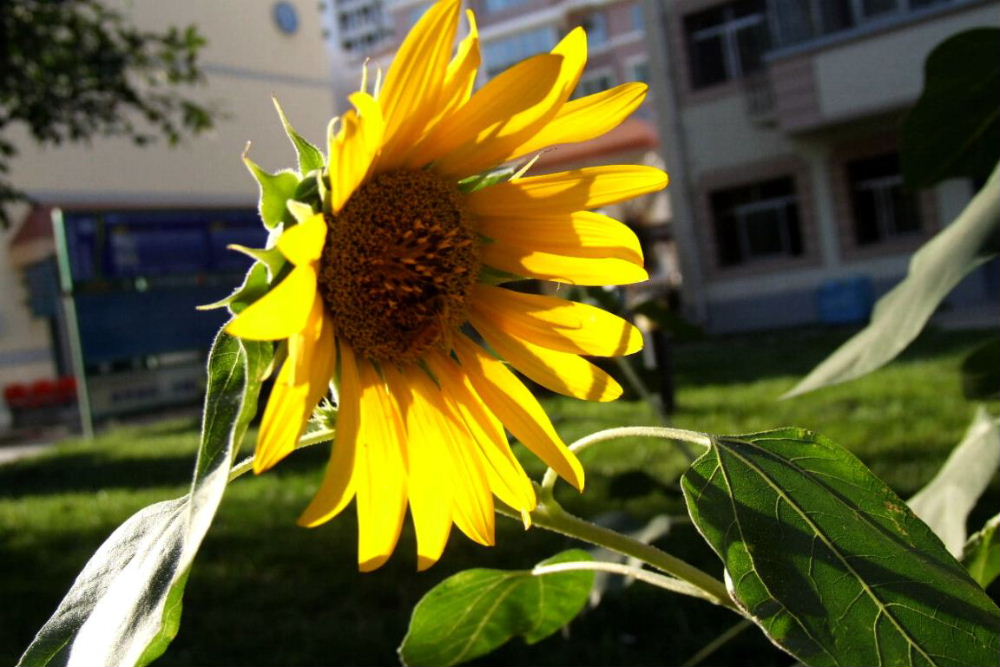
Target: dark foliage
<point x="74" y="69"/>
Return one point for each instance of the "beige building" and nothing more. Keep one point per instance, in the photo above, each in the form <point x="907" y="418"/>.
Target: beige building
<point x="255" y="49"/>
<point x="781" y="134"/>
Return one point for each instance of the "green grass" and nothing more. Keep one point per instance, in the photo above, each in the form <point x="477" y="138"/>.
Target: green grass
<point x="266" y="591"/>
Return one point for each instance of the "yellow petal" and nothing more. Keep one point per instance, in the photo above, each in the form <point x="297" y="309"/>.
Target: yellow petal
<point x="430" y="495"/>
<point x="337" y="488"/>
<point x="579" y="234"/>
<point x="281" y="312"/>
<point x="303" y="243"/>
<point x="503" y="113"/>
<point x="506" y="476"/>
<point x="531" y="263"/>
<point x="557" y="324"/>
<point x="566" y="191"/>
<point x="372" y="131"/>
<point x="379" y="471"/>
<point x="303" y="380"/>
<point x="507" y="111"/>
<point x="462" y="466"/>
<point x="354" y="148"/>
<point x="460" y="79"/>
<point x="518" y="409"/>
<point x="586" y="118"/>
<point x="412" y="90"/>
<point x="561" y="372"/>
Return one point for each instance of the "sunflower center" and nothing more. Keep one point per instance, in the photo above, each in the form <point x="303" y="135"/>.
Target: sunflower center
<point x="398" y="265"/>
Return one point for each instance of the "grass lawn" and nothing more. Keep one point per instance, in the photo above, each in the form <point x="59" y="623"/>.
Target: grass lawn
<point x="264" y="591"/>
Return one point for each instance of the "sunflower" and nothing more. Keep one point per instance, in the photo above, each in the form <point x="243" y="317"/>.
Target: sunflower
<point x="395" y="297"/>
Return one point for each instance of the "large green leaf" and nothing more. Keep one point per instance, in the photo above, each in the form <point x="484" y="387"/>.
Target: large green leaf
<point x="981" y="555"/>
<point x="124" y="607"/>
<point x="473" y="612"/>
<point x="954" y="129"/>
<point x="899" y="316"/>
<point x="829" y="562"/>
<point x="944" y="504"/>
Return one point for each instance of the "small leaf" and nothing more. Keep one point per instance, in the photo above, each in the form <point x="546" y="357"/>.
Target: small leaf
<point x="900" y="315"/>
<point x="310" y="157"/>
<point x="254" y="286"/>
<point x="829" y="562"/>
<point x="124" y="607"/>
<point x="981" y="555"/>
<point x="954" y="128"/>
<point x="981" y="372"/>
<point x="944" y="504"/>
<point x="485" y="180"/>
<point x="473" y="612"/>
<point x="275" y="191"/>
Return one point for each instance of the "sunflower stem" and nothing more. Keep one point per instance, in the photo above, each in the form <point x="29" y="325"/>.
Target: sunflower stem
<point x="654" y="579"/>
<point x="551" y="516"/>
<point x="663" y="432"/>
<point x="308" y="440"/>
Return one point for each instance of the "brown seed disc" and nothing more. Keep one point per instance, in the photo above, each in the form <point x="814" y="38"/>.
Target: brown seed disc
<point x="398" y="265"/>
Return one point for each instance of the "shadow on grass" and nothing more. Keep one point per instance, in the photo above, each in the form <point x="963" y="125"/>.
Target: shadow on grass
<point x="741" y="358"/>
<point x="91" y="471"/>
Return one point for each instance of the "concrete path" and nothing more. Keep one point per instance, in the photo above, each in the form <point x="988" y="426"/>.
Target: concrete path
<point x="11" y="453"/>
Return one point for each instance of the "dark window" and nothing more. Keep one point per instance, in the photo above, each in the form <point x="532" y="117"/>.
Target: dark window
<point x="882" y="208"/>
<point x="757" y="221"/>
<point x="725" y="42"/>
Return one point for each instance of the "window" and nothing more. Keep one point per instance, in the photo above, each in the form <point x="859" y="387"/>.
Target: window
<point x="502" y="53"/>
<point x="639" y="71"/>
<point x="596" y="26"/>
<point x="882" y="208"/>
<point x="595" y="82"/>
<point x="501" y="5"/>
<point x="758" y="221"/>
<point x="638" y="17"/>
<point x="725" y="42"/>
<point x="798" y="21"/>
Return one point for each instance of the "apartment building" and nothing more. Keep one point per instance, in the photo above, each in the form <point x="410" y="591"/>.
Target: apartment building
<point x="512" y="30"/>
<point x="362" y="26"/>
<point x="781" y="129"/>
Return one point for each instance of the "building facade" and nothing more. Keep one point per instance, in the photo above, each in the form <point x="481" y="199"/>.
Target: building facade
<point x="256" y="49"/>
<point x="782" y="134"/>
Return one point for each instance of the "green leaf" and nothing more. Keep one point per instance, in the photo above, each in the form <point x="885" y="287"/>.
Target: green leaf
<point x="981" y="555"/>
<point x="944" y="504"/>
<point x="981" y="372"/>
<point x="124" y="607"/>
<point x="900" y="315"/>
<point x="954" y="129"/>
<point x="829" y="562"/>
<point x="310" y="157"/>
<point x="275" y="191"/>
<point x="485" y="180"/>
<point x="254" y="286"/>
<point x="473" y="612"/>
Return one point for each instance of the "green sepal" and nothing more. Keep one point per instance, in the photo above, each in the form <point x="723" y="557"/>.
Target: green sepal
<point x="486" y="179"/>
<point x="275" y="190"/>
<point x="308" y="191"/>
<point x="491" y="276"/>
<point x="310" y="157"/>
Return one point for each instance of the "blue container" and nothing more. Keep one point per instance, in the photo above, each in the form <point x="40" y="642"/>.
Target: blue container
<point x="847" y="301"/>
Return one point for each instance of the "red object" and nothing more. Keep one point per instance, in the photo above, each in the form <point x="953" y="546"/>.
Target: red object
<point x="16" y="395"/>
<point x="66" y="389"/>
